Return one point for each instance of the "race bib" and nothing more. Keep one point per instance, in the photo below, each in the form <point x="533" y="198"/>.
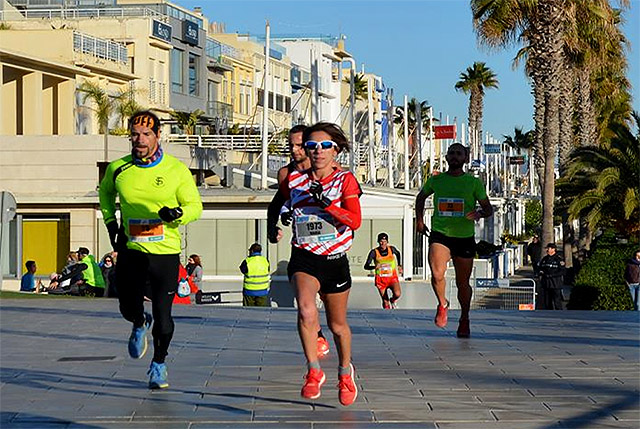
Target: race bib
<point x="315" y="228"/>
<point x="451" y="207"/>
<point x="385" y="270"/>
<point x="146" y="230"/>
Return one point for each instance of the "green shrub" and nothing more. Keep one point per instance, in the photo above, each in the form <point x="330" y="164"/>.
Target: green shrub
<point x="600" y="284"/>
<point x="532" y="217"/>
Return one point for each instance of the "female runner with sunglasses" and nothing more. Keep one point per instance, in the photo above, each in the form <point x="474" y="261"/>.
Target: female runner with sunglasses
<point x="326" y="211"/>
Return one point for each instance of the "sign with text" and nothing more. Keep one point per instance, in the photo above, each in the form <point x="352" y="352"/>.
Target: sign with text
<point x="516" y="160"/>
<point x="190" y="32"/>
<point x="445" y="132"/>
<point x="161" y="31"/>
<point x="492" y="148"/>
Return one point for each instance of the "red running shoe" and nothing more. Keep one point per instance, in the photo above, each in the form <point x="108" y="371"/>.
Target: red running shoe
<point x="347" y="389"/>
<point x="323" y="347"/>
<point x="463" y="329"/>
<point x="313" y="381"/>
<point x="441" y="316"/>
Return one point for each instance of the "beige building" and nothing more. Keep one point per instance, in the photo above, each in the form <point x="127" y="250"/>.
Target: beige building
<point x="39" y="95"/>
<point x="243" y="86"/>
<point x="118" y="55"/>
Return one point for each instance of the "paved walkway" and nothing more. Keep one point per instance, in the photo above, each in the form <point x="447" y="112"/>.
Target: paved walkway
<point x="64" y="364"/>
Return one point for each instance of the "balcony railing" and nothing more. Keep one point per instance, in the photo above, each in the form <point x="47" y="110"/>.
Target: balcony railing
<point x="244" y="143"/>
<point x="218" y="109"/>
<point x="100" y="48"/>
<point x="83" y="13"/>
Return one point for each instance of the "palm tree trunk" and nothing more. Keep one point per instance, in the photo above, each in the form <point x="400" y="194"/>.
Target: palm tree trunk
<point x="472" y="123"/>
<point x="479" y="108"/>
<point x="587" y="128"/>
<point x="567" y="79"/>
<point x="538" y="147"/>
<point x="474" y="114"/>
<point x="551" y="60"/>
<point x="566" y="117"/>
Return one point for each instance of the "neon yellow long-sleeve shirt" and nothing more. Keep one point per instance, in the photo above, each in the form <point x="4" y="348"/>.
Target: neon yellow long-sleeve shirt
<point x="143" y="191"/>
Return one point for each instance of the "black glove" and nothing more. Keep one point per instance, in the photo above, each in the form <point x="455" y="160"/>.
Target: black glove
<point x="112" y="228"/>
<point x="286" y="217"/>
<point x="316" y="193"/>
<point x="272" y="234"/>
<point x="117" y="236"/>
<point x="169" y="215"/>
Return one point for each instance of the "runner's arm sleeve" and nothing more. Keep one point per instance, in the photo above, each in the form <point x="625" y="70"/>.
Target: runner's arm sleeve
<point x="350" y="213"/>
<point x="371" y="263"/>
<point x="188" y="198"/>
<point x="273" y="212"/>
<point x="107" y="196"/>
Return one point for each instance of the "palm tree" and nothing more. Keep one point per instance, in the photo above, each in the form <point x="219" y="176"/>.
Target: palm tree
<point x="520" y="140"/>
<point x="360" y="85"/>
<point x="425" y="121"/>
<point x="603" y="183"/>
<point x="126" y="105"/>
<point x="187" y="121"/>
<point x="123" y="104"/>
<point x="103" y="103"/>
<point x="540" y="24"/>
<point x="473" y="82"/>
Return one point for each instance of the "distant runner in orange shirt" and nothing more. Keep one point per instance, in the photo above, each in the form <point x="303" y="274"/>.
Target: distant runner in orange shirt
<point x="386" y="260"/>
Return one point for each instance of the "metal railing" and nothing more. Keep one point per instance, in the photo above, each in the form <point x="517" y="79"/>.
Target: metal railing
<point x="83" y="13"/>
<point x="99" y="48"/>
<point x="244" y="143"/>
<point x="500" y="294"/>
<point x="218" y="109"/>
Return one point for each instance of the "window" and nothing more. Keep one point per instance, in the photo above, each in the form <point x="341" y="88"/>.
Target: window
<point x="225" y="90"/>
<point x="194" y="81"/>
<point x="177" y="80"/>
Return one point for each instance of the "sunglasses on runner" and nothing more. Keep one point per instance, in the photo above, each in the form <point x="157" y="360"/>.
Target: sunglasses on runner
<point x="326" y="144"/>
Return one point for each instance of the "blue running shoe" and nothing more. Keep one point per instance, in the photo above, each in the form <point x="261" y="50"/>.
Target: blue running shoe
<point x="138" y="338"/>
<point x="158" y="376"/>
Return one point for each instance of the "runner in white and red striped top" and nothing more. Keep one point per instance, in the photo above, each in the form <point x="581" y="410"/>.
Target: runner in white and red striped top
<point x="326" y="211"/>
<point x="337" y="186"/>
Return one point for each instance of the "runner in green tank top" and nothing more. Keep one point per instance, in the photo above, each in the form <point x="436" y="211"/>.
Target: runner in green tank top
<point x="455" y="194"/>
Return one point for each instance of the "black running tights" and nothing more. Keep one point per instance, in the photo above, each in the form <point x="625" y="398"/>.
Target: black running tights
<point x="134" y="271"/>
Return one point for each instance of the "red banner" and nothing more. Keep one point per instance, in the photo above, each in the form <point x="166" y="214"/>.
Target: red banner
<point x="445" y="132"/>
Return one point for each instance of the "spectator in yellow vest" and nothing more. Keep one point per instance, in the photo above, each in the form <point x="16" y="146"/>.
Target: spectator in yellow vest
<point x="93" y="281"/>
<point x="255" y="288"/>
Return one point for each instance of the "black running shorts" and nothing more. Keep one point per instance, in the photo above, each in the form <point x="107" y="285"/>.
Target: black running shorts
<point x="331" y="271"/>
<point x="460" y="247"/>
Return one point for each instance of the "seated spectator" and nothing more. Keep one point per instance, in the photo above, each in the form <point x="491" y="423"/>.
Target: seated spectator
<point x="194" y="270"/>
<point x="53" y="281"/>
<point x="67" y="282"/>
<point x="92" y="283"/>
<point x="108" y="267"/>
<point x="29" y="283"/>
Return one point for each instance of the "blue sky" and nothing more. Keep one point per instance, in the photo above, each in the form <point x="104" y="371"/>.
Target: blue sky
<point x="419" y="47"/>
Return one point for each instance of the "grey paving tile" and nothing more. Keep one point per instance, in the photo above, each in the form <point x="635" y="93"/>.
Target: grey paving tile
<point x="498" y="425"/>
<point x="377" y="425"/>
<point x="211" y="425"/>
